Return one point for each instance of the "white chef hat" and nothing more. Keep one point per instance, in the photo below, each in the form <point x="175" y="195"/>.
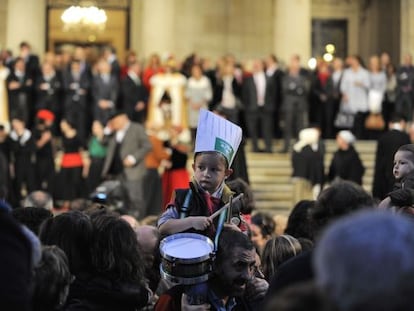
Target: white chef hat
<point x="347" y="136"/>
<point x="214" y="133"/>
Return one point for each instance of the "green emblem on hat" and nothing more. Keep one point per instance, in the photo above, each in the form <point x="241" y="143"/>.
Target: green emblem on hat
<point x="225" y="148"/>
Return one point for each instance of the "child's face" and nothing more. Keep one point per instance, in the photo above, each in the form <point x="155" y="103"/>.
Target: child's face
<point x="210" y="170"/>
<point x="403" y="165"/>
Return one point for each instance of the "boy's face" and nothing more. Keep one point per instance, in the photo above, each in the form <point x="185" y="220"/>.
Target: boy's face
<point x="210" y="170"/>
<point x="403" y="164"/>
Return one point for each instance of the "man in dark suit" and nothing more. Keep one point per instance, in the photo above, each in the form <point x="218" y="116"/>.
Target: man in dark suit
<point x="134" y="96"/>
<point x="31" y="60"/>
<point x="109" y="54"/>
<point x="76" y="86"/>
<point x="259" y="103"/>
<point x="387" y="146"/>
<point x="275" y="74"/>
<point x="48" y="86"/>
<point x="20" y="85"/>
<point x="105" y="91"/>
<point x="127" y="145"/>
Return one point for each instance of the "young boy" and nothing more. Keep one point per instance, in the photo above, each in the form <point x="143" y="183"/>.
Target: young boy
<point x="216" y="144"/>
<point x="403" y="171"/>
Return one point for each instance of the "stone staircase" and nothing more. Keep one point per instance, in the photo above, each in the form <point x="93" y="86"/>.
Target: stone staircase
<point x="270" y="175"/>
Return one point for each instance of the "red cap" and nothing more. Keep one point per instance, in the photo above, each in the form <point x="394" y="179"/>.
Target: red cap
<point x="45" y="114"/>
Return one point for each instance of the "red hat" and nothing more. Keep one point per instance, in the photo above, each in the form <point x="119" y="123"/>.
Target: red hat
<point x="46" y="115"/>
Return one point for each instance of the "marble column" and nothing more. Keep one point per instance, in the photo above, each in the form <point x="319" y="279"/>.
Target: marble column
<point x="292" y="29"/>
<point x="407" y="27"/>
<point x="157" y="26"/>
<point x="26" y="21"/>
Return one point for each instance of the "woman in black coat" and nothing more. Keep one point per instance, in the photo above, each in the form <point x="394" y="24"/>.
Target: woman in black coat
<point x="346" y="163"/>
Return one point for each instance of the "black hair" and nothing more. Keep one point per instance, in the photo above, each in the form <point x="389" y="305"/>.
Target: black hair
<point x="265" y="222"/>
<point x="31" y="217"/>
<point x="72" y="232"/>
<point x="298" y="224"/>
<point x="340" y="199"/>
<point x="229" y="240"/>
<point x="51" y="280"/>
<point x="238" y="185"/>
<point x="115" y="250"/>
<point x="397" y="117"/>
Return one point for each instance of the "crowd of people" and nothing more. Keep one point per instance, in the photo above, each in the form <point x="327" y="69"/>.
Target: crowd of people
<point x="90" y="148"/>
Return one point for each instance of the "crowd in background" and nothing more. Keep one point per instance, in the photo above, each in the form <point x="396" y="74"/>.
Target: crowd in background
<point x="78" y="124"/>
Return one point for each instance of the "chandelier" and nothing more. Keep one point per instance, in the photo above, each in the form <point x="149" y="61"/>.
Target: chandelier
<point x="84" y="18"/>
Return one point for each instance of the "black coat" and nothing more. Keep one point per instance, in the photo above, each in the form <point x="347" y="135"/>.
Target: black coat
<point x="96" y="293"/>
<point x="346" y="165"/>
<point x="131" y="93"/>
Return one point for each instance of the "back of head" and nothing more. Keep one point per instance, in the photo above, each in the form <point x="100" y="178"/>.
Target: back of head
<point x="51" y="280"/>
<point x="365" y="262"/>
<point x="31" y="217"/>
<point x="72" y="232"/>
<point x="115" y="251"/>
<point x="298" y="224"/>
<point x="278" y="250"/>
<point x="340" y="199"/>
<point x="265" y="222"/>
<point x="238" y="185"/>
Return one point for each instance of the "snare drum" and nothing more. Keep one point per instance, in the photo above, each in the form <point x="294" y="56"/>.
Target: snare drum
<point x="187" y="258"/>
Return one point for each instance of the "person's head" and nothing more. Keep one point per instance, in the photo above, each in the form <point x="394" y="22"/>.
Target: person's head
<point x="196" y="71"/>
<point x="403" y="161"/>
<point x="271" y="60"/>
<point x="385" y="59"/>
<point x="79" y="53"/>
<point x="154" y="61"/>
<point x="39" y="199"/>
<point x="75" y="66"/>
<point x="294" y="64"/>
<point x="72" y="232"/>
<point x="103" y="67"/>
<point x="115" y="250"/>
<point x="32" y="217"/>
<point x="304" y="296"/>
<point x="340" y="199"/>
<point x="25" y="48"/>
<point x="97" y="128"/>
<point x="263" y="228"/>
<point x="238" y="185"/>
<point x="135" y="67"/>
<point x="18" y="125"/>
<point x="118" y="121"/>
<point x="408" y="59"/>
<point x="66" y="126"/>
<point x="374" y="63"/>
<point x="397" y="122"/>
<point x="344" y="139"/>
<point x="51" y="280"/>
<point x="258" y="66"/>
<point x="365" y="262"/>
<point x="210" y="170"/>
<point x="235" y="263"/>
<point x="48" y="69"/>
<point x="19" y="64"/>
<point x="149" y="240"/>
<point x="276" y="251"/>
<point x="298" y="224"/>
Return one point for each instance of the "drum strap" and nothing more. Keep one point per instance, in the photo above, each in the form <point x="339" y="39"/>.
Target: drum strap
<point x="186" y="204"/>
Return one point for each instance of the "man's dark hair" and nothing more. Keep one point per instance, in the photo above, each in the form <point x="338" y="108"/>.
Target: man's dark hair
<point x="298" y="224"/>
<point x="229" y="240"/>
<point x="265" y="222"/>
<point x="31" y="217"/>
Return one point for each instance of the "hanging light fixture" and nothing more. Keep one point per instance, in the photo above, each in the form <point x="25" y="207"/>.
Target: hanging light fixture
<point x="84" y="18"/>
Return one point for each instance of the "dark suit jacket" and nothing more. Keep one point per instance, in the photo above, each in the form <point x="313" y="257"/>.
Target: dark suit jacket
<point x="71" y="94"/>
<point x="23" y="93"/>
<point x="51" y="98"/>
<point x="135" y="143"/>
<point x="102" y="90"/>
<point x="130" y="94"/>
<point x="387" y="146"/>
<point x="249" y="94"/>
<point x="218" y="91"/>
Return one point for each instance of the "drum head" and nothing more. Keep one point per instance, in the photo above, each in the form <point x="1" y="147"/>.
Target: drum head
<point x="186" y="247"/>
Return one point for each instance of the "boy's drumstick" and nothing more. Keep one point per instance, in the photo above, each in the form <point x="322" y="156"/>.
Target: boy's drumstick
<point x="218" y="212"/>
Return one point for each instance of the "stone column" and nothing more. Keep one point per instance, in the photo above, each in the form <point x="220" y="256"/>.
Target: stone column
<point x="292" y="29"/>
<point x="26" y="21"/>
<point x="157" y="26"/>
<point x="407" y="27"/>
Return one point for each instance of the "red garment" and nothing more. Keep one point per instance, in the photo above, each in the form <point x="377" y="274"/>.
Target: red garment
<point x="148" y="73"/>
<point x="171" y="180"/>
<point x="323" y="78"/>
<point x="72" y="160"/>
